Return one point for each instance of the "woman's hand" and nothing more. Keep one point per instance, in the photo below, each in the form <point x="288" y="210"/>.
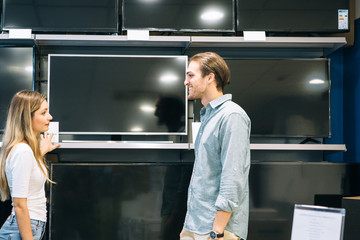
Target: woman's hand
<point x="45" y="143"/>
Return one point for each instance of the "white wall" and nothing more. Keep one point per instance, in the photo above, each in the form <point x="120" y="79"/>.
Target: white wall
<point x="357" y="9"/>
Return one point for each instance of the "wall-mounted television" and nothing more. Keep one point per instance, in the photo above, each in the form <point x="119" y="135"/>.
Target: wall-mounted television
<point x="283" y="97"/>
<point x="95" y="16"/>
<point x="179" y="15"/>
<point x="16" y="73"/>
<point x="118" y="94"/>
<point x="316" y="16"/>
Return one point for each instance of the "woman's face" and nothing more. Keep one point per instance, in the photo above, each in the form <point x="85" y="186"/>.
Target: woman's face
<point x="41" y="119"/>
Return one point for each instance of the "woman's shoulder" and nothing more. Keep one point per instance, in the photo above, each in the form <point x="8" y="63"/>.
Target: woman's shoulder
<point x="21" y="154"/>
<point x="20" y="149"/>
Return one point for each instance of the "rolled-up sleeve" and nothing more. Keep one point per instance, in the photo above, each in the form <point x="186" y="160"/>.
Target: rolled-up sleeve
<point x="234" y="137"/>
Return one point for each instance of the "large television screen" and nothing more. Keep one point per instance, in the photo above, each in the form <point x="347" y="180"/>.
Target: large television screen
<point x="179" y="15"/>
<point x="61" y="16"/>
<point x="293" y="16"/>
<point x="16" y="73"/>
<point x="118" y="201"/>
<point x="118" y="94"/>
<point x="283" y="97"/>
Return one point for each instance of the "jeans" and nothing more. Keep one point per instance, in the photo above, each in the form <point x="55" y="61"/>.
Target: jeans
<point x="10" y="230"/>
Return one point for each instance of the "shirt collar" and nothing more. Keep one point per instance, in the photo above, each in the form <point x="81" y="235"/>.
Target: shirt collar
<point x="220" y="100"/>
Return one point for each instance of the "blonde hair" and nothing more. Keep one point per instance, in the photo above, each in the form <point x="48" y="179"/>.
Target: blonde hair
<point x="19" y="129"/>
<point x="211" y="62"/>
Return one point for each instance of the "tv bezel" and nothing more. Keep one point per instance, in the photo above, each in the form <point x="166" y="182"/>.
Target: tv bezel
<point x="154" y="29"/>
<point x="328" y="60"/>
<point x="183" y="133"/>
<point x="2" y="130"/>
<point x="73" y="30"/>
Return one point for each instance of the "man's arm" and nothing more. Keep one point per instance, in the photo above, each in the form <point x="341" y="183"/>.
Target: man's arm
<point x="234" y="137"/>
<point x="221" y="220"/>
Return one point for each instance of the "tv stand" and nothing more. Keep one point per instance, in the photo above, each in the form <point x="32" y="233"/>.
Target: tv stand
<point x="310" y="140"/>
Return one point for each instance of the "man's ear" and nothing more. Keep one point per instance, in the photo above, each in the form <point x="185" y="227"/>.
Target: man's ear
<point x="211" y="78"/>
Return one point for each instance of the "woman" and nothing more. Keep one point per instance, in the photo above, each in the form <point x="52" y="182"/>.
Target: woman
<point x="23" y="170"/>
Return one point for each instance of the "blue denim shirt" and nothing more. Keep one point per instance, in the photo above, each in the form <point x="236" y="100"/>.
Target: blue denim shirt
<point x="221" y="168"/>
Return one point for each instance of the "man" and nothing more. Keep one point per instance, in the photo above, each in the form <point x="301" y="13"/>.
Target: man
<point x="218" y="195"/>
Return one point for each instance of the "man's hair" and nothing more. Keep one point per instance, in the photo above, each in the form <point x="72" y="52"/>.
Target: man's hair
<point x="211" y="62"/>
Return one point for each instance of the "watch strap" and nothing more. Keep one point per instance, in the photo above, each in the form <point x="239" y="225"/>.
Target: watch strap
<point x="220" y="235"/>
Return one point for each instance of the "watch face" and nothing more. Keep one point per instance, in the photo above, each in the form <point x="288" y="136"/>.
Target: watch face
<point x="213" y="235"/>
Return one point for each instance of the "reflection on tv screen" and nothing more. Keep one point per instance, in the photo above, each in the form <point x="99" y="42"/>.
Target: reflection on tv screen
<point x="283" y="97"/>
<point x="16" y="73"/>
<point x="118" y="201"/>
<point x="103" y="94"/>
<point x="179" y="15"/>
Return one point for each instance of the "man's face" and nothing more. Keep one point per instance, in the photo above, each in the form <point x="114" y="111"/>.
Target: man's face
<point x="196" y="84"/>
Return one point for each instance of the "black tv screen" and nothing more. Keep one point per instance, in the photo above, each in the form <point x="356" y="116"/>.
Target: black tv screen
<point x="293" y="16"/>
<point x="61" y="16"/>
<point x="179" y="15"/>
<point x="283" y="97"/>
<point x="16" y="73"/>
<point x="118" y="94"/>
<point x="118" y="201"/>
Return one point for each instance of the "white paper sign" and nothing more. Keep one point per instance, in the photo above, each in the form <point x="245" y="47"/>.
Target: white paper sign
<point x="343" y="19"/>
<point x="195" y="130"/>
<point x="317" y="223"/>
<point x="54" y="129"/>
<point x="254" y="36"/>
<point x="20" y="33"/>
<point x="138" y="35"/>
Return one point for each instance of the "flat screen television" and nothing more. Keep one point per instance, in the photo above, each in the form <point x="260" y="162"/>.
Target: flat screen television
<point x="283" y="97"/>
<point x="16" y="73"/>
<point x="179" y="15"/>
<point x="317" y="16"/>
<point x="118" y="94"/>
<point x="95" y="16"/>
<point x="131" y="201"/>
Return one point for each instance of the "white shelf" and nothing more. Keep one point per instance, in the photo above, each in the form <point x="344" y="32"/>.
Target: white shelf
<point x="300" y="147"/>
<point x="110" y="40"/>
<point x="272" y="46"/>
<point x="122" y="145"/>
<point x="295" y="147"/>
<point x="189" y="146"/>
<point x="270" y="42"/>
<point x="6" y="40"/>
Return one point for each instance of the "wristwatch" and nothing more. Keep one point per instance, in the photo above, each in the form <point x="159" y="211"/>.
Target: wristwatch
<point x="215" y="235"/>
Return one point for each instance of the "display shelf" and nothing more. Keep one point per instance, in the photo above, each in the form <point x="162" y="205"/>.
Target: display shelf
<point x="168" y="145"/>
<point x="111" y="41"/>
<point x="5" y="40"/>
<point x="190" y="146"/>
<point x="230" y="45"/>
<point x="122" y="145"/>
<point x="300" y="147"/>
<point x="331" y="43"/>
<point x="271" y="47"/>
<point x="296" y="147"/>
